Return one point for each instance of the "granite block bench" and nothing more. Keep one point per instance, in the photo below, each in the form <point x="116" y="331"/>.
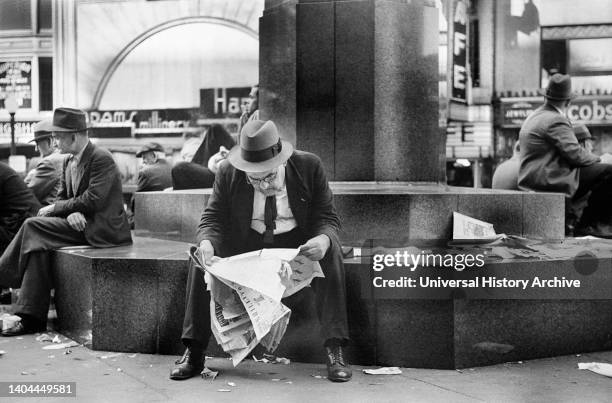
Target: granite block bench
<point x="131" y="299"/>
<point x="128" y="298"/>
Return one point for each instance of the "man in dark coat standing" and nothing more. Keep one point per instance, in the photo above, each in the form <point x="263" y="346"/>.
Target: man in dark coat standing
<point x="269" y="196"/>
<point x="16" y="204"/>
<point x="552" y="160"/>
<point x="89" y="210"/>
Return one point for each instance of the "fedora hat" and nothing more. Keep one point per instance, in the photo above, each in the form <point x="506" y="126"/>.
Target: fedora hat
<point x="149" y="147"/>
<point x="261" y="148"/>
<point x="68" y="120"/>
<point x="41" y="130"/>
<point x="582" y="132"/>
<point x="559" y="88"/>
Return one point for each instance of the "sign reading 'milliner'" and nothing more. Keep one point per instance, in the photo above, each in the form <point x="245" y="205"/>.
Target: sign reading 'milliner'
<point x="594" y="111"/>
<point x="16" y="77"/>
<point x="143" y="119"/>
<point x="459" y="62"/>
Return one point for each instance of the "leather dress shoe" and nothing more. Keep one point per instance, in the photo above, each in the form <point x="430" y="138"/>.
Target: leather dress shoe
<point x="338" y="369"/>
<point x="22" y="327"/>
<point x="190" y="364"/>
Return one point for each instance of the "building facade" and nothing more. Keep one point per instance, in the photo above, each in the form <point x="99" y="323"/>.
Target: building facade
<point x="26" y="68"/>
<point x="537" y="38"/>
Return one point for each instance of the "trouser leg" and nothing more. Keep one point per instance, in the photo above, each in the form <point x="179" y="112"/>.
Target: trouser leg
<point x="26" y="264"/>
<point x="188" y="175"/>
<point x="596" y="185"/>
<point x="196" y="324"/>
<point x="330" y="296"/>
<point x="35" y="287"/>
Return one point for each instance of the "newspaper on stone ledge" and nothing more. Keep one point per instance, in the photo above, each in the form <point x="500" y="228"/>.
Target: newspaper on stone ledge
<point x="246" y="292"/>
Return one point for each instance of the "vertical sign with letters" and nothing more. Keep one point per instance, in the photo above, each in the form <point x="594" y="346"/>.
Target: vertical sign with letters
<point x="459" y="66"/>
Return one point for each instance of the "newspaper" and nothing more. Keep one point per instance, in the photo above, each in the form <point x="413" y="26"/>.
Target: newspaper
<point x="246" y="292"/>
<point x="465" y="228"/>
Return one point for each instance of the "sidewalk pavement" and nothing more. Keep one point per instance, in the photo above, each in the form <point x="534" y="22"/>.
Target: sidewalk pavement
<point x="124" y="377"/>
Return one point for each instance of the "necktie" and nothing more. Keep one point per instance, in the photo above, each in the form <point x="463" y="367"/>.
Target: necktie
<point x="269" y="217"/>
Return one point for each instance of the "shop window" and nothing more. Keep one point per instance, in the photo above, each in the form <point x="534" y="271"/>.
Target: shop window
<point x="44" y="14"/>
<point x="45" y="79"/>
<point x="15" y="15"/>
<point x="554" y="57"/>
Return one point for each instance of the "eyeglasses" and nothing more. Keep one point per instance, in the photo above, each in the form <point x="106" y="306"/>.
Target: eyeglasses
<point x="268" y="179"/>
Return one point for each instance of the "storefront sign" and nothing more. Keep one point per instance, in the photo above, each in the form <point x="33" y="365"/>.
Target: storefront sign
<point x="21" y="129"/>
<point x="590" y="111"/>
<point x="459" y="74"/>
<point x="143" y="119"/>
<point x="16" y="77"/>
<point x="223" y="102"/>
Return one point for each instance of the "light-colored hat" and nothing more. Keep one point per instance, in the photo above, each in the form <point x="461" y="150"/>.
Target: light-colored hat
<point x="40" y="130"/>
<point x="261" y="148"/>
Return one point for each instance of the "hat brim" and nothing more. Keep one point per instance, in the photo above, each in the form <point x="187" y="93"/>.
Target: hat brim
<point x="64" y="130"/>
<point x="41" y="137"/>
<point x="542" y="91"/>
<point x="139" y="153"/>
<point x="235" y="158"/>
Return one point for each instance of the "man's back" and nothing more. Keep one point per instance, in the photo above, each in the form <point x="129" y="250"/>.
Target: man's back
<point x="16" y="204"/>
<point x="550" y="153"/>
<point x="157" y="176"/>
<point x="45" y="179"/>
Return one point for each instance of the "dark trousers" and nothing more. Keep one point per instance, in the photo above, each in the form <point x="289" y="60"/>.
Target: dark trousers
<point x="590" y="205"/>
<point x="189" y="175"/>
<point x="195" y="174"/>
<point x="25" y="262"/>
<point x="330" y="292"/>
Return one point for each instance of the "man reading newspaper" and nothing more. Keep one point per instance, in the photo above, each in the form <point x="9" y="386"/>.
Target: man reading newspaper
<point x="269" y="195"/>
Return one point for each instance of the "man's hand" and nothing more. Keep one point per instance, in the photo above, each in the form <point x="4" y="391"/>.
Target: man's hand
<point x="315" y="248"/>
<point x="46" y="211"/>
<point x="207" y="251"/>
<point x="77" y="221"/>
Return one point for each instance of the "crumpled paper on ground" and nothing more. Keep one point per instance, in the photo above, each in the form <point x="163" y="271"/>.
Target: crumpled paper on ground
<point x="383" y="371"/>
<point x="600" y="368"/>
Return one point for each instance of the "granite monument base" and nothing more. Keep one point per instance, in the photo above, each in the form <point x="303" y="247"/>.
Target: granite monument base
<point x="375" y="210"/>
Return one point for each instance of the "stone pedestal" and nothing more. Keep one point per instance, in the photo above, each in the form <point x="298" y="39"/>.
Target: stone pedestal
<point x="378" y="211"/>
<point x="355" y="82"/>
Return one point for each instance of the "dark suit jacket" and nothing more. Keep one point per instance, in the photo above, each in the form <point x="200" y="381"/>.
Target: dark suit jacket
<point x="16" y="204"/>
<point x="99" y="198"/>
<point x="157" y="176"/>
<point x="226" y="221"/>
<point x="45" y="180"/>
<point x="550" y="153"/>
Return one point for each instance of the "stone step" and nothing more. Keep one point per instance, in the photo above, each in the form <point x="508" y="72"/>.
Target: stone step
<point x="374" y="210"/>
<point x="131" y="299"/>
